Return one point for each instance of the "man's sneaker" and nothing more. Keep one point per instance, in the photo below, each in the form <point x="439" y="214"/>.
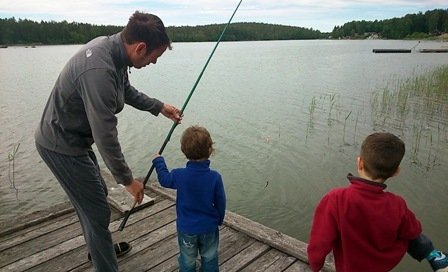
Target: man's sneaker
<point x="439" y="263"/>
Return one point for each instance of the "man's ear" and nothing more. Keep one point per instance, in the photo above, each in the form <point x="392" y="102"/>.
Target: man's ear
<point x="141" y="48"/>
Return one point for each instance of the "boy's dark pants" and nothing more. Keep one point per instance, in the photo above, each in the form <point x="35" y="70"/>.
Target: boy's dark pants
<point x="420" y="247"/>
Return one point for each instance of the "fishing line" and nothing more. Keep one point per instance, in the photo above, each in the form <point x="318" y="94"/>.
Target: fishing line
<point x="168" y="137"/>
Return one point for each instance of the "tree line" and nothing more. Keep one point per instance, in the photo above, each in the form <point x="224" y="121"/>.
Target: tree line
<point x="20" y="31"/>
<point x="242" y="32"/>
<point x="411" y="26"/>
<point x="418" y="26"/>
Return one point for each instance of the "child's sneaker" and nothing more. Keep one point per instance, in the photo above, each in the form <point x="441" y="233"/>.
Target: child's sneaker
<point x="439" y="263"/>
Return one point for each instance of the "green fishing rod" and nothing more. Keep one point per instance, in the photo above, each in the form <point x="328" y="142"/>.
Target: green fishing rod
<point x="168" y="137"/>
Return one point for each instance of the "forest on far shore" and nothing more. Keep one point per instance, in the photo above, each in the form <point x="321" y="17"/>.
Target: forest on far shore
<point x="412" y="26"/>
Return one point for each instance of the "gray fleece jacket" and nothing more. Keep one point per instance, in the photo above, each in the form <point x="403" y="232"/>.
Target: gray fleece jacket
<point x="90" y="90"/>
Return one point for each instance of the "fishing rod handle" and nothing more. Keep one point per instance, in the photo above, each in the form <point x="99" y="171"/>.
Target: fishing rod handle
<point x="126" y="217"/>
<point x="128" y="213"/>
<point x="160" y="153"/>
<point x="148" y="175"/>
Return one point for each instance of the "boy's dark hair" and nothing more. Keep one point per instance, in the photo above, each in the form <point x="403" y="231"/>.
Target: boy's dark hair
<point x="382" y="154"/>
<point x="147" y="28"/>
<point x="196" y="143"/>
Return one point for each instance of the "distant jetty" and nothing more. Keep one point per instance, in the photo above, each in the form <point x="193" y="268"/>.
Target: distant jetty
<point x="426" y="50"/>
<point x="391" y="50"/>
<point x="440" y="50"/>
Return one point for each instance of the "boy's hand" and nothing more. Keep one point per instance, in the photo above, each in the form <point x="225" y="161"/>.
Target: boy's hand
<point x="155" y="156"/>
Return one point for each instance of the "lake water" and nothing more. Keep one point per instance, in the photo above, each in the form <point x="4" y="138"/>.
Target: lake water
<point x="287" y="119"/>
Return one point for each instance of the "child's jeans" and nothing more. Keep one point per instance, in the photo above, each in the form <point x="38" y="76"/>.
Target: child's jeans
<point x="207" y="246"/>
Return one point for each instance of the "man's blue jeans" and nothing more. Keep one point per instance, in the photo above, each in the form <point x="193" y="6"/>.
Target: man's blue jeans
<point x="206" y="244"/>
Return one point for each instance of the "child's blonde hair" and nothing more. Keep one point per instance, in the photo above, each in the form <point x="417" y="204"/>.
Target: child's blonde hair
<point x="196" y="143"/>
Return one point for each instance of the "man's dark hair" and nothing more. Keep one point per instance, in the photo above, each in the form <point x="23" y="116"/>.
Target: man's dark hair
<point x="196" y="143"/>
<point x="147" y="28"/>
<point x="382" y="154"/>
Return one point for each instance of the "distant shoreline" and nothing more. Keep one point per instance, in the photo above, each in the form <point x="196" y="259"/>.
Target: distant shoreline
<point x="441" y="38"/>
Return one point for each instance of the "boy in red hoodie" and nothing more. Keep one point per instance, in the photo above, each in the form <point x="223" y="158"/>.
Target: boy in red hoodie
<point x="367" y="228"/>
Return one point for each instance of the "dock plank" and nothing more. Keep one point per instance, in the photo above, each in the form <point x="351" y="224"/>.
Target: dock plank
<point x="151" y="255"/>
<point x="298" y="267"/>
<point x="34" y="220"/>
<point x="168" y="265"/>
<point x="273" y="261"/>
<point x="232" y="243"/>
<point x="34" y="247"/>
<point x="244" y="257"/>
<point x="73" y="259"/>
<point x="10" y="240"/>
<point x="45" y="255"/>
<point x="147" y="225"/>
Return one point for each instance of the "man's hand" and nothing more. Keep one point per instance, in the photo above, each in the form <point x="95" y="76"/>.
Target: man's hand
<point x="136" y="190"/>
<point x="171" y="112"/>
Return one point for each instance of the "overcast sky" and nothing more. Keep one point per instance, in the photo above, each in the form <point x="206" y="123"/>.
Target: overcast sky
<point x="322" y="15"/>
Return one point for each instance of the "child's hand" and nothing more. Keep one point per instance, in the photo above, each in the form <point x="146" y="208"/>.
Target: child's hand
<point x="155" y="156"/>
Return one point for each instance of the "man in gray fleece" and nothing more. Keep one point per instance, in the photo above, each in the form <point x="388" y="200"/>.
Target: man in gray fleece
<point x="90" y="90"/>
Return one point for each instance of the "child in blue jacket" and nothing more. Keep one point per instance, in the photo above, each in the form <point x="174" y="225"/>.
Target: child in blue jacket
<point x="200" y="201"/>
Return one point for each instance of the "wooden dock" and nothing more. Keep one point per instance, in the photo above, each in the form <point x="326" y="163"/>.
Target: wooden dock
<point x="52" y="240"/>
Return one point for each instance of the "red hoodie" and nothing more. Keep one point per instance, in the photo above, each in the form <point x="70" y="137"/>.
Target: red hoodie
<point x="367" y="228"/>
